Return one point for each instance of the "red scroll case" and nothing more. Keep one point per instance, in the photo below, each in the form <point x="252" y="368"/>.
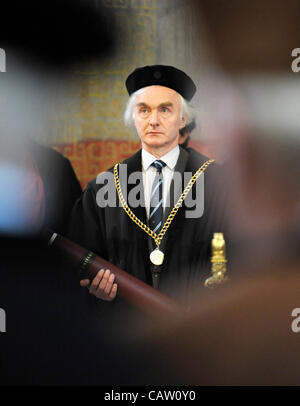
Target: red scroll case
<point x="130" y="289"/>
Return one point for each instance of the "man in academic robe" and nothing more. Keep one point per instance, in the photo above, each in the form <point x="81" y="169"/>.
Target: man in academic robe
<point x="61" y="187"/>
<point x="125" y="235"/>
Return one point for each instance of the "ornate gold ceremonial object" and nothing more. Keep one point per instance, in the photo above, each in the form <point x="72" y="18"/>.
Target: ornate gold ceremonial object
<point x="157" y="256"/>
<point x="218" y="260"/>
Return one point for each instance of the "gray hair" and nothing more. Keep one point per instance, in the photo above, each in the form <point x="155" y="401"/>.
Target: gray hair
<point x="186" y="109"/>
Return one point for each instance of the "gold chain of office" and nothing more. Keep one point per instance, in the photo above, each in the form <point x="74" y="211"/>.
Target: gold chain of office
<point x="158" y="237"/>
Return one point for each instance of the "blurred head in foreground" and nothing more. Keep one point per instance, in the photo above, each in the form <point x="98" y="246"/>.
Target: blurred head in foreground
<point x="42" y="44"/>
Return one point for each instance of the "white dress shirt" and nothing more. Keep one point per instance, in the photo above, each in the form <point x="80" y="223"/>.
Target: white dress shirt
<point x="149" y="172"/>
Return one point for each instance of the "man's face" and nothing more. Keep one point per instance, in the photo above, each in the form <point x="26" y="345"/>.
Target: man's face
<point x="157" y="118"/>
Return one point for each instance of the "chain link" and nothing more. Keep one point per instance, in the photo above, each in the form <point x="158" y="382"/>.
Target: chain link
<point x="158" y="237"/>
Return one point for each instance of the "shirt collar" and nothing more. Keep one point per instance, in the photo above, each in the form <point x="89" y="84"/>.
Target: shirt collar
<point x="170" y="158"/>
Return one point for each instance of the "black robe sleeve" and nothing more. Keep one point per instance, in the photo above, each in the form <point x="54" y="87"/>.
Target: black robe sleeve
<point x="87" y="228"/>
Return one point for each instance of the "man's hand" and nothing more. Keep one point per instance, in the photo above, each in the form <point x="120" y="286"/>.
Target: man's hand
<point x="102" y="286"/>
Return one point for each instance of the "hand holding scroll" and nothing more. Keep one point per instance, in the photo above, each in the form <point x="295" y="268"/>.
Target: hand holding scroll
<point x="102" y="285"/>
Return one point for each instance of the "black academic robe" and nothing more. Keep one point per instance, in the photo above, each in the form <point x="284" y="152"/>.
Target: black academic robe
<point x="61" y="186"/>
<point x="110" y="233"/>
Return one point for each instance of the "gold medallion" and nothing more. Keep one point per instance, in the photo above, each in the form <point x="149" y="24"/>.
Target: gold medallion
<point x="157" y="257"/>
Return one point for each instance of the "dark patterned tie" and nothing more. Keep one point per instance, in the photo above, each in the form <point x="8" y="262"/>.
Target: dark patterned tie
<point x="156" y="201"/>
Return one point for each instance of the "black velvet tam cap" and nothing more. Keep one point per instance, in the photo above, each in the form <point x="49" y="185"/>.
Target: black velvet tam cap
<point x="161" y="75"/>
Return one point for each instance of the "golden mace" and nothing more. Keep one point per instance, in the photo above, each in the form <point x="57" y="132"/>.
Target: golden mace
<point x="218" y="260"/>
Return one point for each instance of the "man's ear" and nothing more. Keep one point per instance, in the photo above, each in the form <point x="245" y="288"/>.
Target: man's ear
<point x="183" y="122"/>
<point x="133" y="120"/>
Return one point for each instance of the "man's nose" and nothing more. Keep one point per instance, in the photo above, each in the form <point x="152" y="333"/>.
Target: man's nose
<point x="154" y="118"/>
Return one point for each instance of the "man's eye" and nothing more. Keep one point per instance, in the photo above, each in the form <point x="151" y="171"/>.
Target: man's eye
<point x="164" y="109"/>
